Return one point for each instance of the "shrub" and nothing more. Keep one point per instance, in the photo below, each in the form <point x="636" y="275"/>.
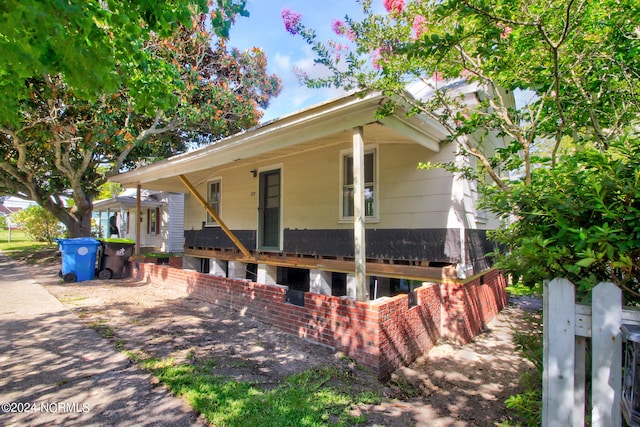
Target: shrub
<point x="39" y="224"/>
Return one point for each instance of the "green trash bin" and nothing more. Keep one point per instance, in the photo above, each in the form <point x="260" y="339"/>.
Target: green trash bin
<point x="114" y="258"/>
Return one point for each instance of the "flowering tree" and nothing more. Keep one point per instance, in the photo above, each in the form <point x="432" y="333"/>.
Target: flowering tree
<point x="580" y="62"/>
<point x="151" y="88"/>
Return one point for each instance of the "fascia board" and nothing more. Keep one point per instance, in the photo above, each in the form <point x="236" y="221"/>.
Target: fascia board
<point x="119" y="202"/>
<point x="326" y="119"/>
<point x="413" y="131"/>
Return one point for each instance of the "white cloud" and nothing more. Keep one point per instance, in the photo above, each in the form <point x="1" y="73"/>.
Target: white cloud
<point x="282" y="62"/>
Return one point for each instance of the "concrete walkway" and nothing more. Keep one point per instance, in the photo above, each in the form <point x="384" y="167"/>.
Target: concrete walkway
<point x="56" y="372"/>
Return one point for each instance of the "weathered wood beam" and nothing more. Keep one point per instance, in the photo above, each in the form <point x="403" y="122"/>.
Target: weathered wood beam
<point x="400" y="271"/>
<point x="215" y="216"/>
<point x="358" y="215"/>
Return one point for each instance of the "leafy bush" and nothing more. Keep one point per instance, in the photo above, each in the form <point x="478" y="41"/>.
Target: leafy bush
<point x="579" y="220"/>
<point x="39" y="224"/>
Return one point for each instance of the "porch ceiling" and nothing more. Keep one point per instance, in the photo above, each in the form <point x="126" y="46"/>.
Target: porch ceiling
<point x="118" y="203"/>
<point x="317" y="127"/>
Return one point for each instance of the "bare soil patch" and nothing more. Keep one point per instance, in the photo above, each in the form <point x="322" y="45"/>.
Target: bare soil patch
<point x="451" y="386"/>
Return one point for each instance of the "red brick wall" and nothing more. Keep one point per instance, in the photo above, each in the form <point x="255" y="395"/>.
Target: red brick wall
<point x="468" y="307"/>
<point x="408" y="332"/>
<point x="383" y="335"/>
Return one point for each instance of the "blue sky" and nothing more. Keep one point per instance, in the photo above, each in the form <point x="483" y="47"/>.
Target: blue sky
<point x="264" y="29"/>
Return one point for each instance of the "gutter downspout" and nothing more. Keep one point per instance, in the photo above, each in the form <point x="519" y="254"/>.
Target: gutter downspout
<point x="215" y="216"/>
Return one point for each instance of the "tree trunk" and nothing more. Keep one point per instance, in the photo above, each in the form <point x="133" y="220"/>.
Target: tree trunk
<point x="77" y="220"/>
<point x="80" y="224"/>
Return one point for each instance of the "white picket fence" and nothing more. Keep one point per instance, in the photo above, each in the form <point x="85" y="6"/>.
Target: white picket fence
<point x="567" y="326"/>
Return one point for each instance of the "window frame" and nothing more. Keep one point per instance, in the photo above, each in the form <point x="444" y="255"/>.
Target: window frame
<point x="153" y="221"/>
<point x="209" y="221"/>
<point x="344" y="155"/>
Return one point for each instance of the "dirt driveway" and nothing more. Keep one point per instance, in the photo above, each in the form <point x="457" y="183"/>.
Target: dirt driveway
<point x="452" y="386"/>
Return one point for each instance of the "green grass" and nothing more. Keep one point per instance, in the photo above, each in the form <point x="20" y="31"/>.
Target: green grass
<point x="528" y="404"/>
<point x="104" y="330"/>
<point x="160" y="254"/>
<point x="19" y="242"/>
<point x="522" y="290"/>
<point x="323" y="396"/>
<point x="316" y="397"/>
<point x="22" y="248"/>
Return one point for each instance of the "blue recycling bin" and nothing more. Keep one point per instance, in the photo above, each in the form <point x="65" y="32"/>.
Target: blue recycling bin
<point x="78" y="258"/>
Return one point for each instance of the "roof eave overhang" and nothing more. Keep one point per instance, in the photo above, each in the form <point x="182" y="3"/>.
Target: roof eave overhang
<point x="123" y="202"/>
<point x="315" y="122"/>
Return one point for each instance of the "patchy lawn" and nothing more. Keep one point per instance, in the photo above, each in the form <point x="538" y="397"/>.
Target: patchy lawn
<point x="235" y="370"/>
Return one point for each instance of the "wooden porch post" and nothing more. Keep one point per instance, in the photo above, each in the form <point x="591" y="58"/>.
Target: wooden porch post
<point x="359" y="214"/>
<point x="215" y="216"/>
<point x="137" y="219"/>
<point x="121" y="230"/>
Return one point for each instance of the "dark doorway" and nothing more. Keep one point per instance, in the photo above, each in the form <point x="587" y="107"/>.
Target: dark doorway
<point x="269" y="208"/>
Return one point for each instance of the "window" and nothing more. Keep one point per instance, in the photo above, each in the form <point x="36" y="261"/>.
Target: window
<point x="153" y="221"/>
<point x="370" y="195"/>
<point x="213" y="199"/>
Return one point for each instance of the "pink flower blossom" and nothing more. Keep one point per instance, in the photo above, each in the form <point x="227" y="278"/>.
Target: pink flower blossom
<point x="342" y="30"/>
<point x="419" y="26"/>
<point x="351" y="36"/>
<point x="468" y="74"/>
<point x="291" y="20"/>
<point x="505" y="32"/>
<point x="300" y="74"/>
<point x="394" y="5"/>
<point x="376" y="57"/>
<point x="380" y="56"/>
<point x="337" y="48"/>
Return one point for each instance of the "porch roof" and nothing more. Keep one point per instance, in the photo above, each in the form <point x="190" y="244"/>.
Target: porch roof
<point x="321" y="125"/>
<point x="123" y="202"/>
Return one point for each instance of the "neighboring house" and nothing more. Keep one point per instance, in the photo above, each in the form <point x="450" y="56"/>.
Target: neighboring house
<point x="279" y="204"/>
<point x="11" y="204"/>
<point x="161" y="219"/>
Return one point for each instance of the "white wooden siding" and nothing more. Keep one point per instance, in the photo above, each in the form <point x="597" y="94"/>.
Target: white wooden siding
<point x="407" y="196"/>
<point x="175" y="226"/>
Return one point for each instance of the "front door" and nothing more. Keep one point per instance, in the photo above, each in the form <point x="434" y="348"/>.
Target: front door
<point x="269" y="210"/>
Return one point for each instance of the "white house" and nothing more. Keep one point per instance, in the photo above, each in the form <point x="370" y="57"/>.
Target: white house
<point x="161" y="219"/>
<point x="329" y="200"/>
<point x="11" y="204"/>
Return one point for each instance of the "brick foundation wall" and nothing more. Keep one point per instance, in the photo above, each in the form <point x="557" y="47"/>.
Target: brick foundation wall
<point x="384" y="334"/>
<point x="468" y="307"/>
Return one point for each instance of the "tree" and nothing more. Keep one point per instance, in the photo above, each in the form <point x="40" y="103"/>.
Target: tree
<point x="96" y="45"/>
<point x="177" y="80"/>
<point x="39" y="224"/>
<point x="580" y="60"/>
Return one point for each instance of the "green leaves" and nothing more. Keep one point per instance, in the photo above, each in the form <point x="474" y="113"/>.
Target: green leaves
<point x="579" y="220"/>
<point x="91" y="87"/>
<point x="96" y="46"/>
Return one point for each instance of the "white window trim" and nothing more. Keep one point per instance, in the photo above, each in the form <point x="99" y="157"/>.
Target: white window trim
<point x="206" y="214"/>
<point x="376" y="184"/>
<point x="155" y="213"/>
